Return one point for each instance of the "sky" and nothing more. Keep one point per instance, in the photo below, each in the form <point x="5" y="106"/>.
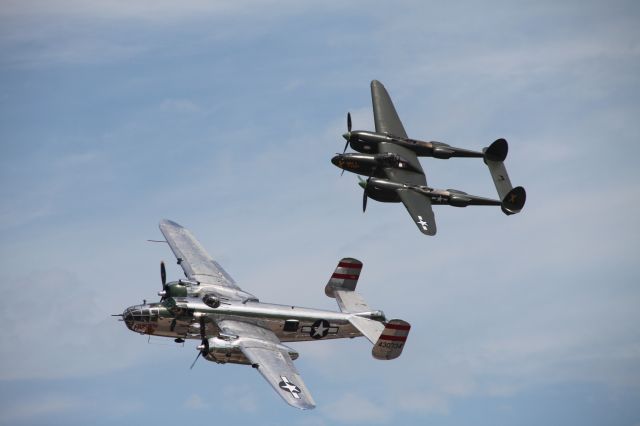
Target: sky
<point x="223" y="116"/>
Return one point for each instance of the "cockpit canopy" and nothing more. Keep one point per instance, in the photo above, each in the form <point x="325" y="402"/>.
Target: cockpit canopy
<point x="139" y="314"/>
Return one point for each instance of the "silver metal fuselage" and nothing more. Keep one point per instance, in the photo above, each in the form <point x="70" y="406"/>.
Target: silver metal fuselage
<point x="289" y="323"/>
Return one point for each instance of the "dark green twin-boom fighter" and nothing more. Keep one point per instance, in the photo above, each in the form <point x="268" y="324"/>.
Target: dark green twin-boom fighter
<point x="234" y="327"/>
<point x="389" y="159"/>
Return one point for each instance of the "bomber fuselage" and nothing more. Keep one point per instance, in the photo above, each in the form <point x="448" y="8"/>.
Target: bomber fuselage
<point x="179" y="318"/>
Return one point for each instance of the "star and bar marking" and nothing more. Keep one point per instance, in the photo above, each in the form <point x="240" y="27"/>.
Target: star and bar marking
<point x="422" y="223"/>
<point x="319" y="329"/>
<point x="290" y="387"/>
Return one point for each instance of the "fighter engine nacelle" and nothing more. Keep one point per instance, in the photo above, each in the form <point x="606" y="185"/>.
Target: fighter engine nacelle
<point x="458" y="199"/>
<point x="442" y="152"/>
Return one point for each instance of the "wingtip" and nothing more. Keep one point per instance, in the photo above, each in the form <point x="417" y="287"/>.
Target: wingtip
<point x="167" y="222"/>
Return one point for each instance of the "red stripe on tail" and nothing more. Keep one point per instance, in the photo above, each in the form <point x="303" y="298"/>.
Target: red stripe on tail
<point x="394" y="338"/>
<point x="349" y="265"/>
<point x="397" y="327"/>
<point x="345" y="276"/>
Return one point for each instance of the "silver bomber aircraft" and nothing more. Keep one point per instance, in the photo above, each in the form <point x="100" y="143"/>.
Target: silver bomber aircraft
<point x="389" y="159"/>
<point x="234" y="327"/>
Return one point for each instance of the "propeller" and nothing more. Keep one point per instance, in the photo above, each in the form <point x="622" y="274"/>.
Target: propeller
<point x="364" y="183"/>
<point x="347" y="135"/>
<point x="163" y="278"/>
<point x="203" y="348"/>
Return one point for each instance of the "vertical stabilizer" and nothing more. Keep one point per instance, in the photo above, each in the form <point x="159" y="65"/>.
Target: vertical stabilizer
<point x="391" y="342"/>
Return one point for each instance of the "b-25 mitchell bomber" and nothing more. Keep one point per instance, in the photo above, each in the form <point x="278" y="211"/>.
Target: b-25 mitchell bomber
<point x="389" y="159"/>
<point x="235" y="327"/>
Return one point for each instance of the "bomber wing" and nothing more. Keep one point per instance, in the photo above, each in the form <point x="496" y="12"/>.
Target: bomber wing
<point x="196" y="263"/>
<point x="264" y="350"/>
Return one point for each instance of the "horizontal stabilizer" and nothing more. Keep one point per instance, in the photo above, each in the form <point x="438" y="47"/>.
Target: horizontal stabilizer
<point x="514" y="201"/>
<point x="391" y="342"/>
<point x="369" y="328"/>
<point x="500" y="177"/>
<point x="345" y="277"/>
<point x="350" y="301"/>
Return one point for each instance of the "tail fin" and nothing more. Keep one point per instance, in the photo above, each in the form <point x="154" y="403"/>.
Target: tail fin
<point x="513" y="199"/>
<point x="391" y="342"/>
<point x="388" y="338"/>
<point x="342" y="284"/>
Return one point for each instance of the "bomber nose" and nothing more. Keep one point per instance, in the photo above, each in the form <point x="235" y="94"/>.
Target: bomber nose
<point x="335" y="160"/>
<point x="127" y="316"/>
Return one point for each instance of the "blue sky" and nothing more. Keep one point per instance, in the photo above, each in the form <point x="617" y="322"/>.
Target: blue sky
<point x="223" y="117"/>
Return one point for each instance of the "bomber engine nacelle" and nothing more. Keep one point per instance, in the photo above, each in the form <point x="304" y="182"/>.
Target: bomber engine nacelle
<point x="173" y="289"/>
<point x="224" y="351"/>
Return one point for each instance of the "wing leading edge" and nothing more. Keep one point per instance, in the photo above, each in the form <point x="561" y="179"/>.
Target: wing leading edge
<point x="384" y="113"/>
<point x="196" y="263"/>
<point x="272" y="360"/>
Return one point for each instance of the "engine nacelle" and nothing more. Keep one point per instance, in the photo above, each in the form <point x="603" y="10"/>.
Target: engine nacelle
<point x="458" y="200"/>
<point x="364" y="141"/>
<point x="174" y="289"/>
<point x="223" y="351"/>
<point x="442" y="152"/>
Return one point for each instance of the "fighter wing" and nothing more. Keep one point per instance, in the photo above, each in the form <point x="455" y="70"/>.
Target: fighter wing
<point x="384" y="113"/>
<point x="193" y="258"/>
<point x="419" y="207"/>
<point x="264" y="350"/>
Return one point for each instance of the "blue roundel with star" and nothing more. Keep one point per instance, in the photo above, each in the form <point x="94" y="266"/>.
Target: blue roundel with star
<point x="319" y="329"/>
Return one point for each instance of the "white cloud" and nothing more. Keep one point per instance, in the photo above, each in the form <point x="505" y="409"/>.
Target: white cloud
<point x="195" y="401"/>
<point x="352" y="408"/>
<point x="41" y="406"/>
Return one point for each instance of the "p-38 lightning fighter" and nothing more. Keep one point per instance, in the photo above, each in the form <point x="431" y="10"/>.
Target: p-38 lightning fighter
<point x="234" y="327"/>
<point x="390" y="160"/>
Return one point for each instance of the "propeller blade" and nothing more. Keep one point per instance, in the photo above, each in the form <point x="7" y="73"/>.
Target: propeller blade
<point x="204" y="346"/>
<point x="345" y="146"/>
<point x="347" y="135"/>
<point x="364" y="197"/>
<point x="163" y="274"/>
<point x="195" y="360"/>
